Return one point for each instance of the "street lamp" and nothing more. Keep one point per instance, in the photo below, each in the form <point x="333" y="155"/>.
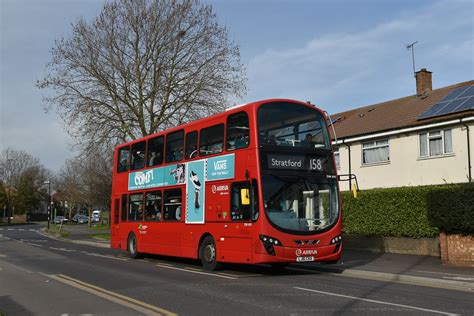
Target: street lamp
<point x="50" y="198"/>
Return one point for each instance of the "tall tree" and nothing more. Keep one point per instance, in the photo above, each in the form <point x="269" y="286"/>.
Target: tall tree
<point x="22" y="178"/>
<point x="140" y="67"/>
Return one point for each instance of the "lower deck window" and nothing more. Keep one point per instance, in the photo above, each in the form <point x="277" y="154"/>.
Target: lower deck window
<point x="135" y="207"/>
<point x="172" y="205"/>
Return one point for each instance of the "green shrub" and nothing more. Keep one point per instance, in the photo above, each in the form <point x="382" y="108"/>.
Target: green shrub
<point x="451" y="208"/>
<point x="398" y="212"/>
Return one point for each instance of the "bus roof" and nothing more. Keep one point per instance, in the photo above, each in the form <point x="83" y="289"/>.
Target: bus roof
<point x="235" y="108"/>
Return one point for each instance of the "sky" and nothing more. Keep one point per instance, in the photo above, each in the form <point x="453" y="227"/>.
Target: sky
<point x="339" y="55"/>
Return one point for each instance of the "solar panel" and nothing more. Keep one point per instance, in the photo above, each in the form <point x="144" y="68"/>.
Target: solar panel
<point x="458" y="100"/>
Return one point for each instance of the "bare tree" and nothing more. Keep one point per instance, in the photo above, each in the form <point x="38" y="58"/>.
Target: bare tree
<point x="140" y="67"/>
<point x="86" y="181"/>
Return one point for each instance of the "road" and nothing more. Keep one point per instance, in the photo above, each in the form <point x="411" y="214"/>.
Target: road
<point x="44" y="276"/>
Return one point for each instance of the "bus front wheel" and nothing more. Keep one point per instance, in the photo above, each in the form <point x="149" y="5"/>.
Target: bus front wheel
<point x="208" y="254"/>
<point x="132" y="246"/>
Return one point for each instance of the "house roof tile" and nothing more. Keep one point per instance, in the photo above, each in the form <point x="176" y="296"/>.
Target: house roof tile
<point x="394" y="114"/>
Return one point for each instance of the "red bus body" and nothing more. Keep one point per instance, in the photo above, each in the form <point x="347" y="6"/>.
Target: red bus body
<point x="236" y="240"/>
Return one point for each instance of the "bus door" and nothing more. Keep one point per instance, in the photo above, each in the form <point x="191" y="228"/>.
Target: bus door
<point x="115" y="221"/>
<point x="118" y="235"/>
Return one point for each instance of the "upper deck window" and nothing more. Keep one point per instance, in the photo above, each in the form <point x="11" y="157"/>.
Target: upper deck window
<point x="237" y="131"/>
<point x="286" y="124"/>
<point x="211" y="140"/>
<point x="191" y="144"/>
<point x="155" y="151"/>
<point x="174" y="146"/>
<point x="138" y="155"/>
<point x="123" y="159"/>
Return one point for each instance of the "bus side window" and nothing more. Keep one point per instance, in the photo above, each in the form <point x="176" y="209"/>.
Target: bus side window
<point x="191" y="144"/>
<point x="123" y="159"/>
<point x="153" y="206"/>
<point x="155" y="151"/>
<point x="116" y="211"/>
<point x="124" y="208"/>
<point x="135" y="207"/>
<point x="211" y="140"/>
<point x="174" y="146"/>
<point x="238" y="135"/>
<point x="138" y="155"/>
<point x="172" y="205"/>
<point x="244" y="201"/>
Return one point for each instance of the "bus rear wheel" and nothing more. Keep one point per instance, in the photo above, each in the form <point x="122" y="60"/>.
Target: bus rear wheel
<point x="208" y="254"/>
<point x="132" y="246"/>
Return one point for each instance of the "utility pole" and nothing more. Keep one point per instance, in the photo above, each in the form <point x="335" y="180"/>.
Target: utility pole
<point x="50" y="202"/>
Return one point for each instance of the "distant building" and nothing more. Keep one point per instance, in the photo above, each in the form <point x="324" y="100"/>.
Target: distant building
<point x="422" y="139"/>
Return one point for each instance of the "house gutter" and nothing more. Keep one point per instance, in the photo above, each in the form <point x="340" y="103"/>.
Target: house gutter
<point x="469" y="166"/>
<point x="350" y="165"/>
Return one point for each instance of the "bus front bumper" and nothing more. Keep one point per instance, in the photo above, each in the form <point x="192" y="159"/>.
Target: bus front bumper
<point x="328" y="253"/>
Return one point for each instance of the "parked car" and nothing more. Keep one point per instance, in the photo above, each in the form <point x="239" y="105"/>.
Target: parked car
<point x="82" y="219"/>
<point x="60" y="219"/>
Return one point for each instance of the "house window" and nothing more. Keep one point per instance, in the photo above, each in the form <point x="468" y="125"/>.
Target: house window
<point x="337" y="158"/>
<point x="436" y="143"/>
<point x="376" y="151"/>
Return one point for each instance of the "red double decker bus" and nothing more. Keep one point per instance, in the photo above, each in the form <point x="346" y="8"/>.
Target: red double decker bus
<point x="255" y="184"/>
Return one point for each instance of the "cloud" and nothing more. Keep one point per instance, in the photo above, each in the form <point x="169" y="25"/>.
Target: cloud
<point x="348" y="69"/>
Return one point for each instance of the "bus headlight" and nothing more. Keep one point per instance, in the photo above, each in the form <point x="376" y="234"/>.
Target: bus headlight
<point x="270" y="240"/>
<point x="336" y="240"/>
<point x="269" y="243"/>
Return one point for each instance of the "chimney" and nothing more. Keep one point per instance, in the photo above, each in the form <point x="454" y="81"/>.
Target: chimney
<point x="423" y="81"/>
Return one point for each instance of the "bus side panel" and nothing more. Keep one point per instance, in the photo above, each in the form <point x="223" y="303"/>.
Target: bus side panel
<point x="234" y="249"/>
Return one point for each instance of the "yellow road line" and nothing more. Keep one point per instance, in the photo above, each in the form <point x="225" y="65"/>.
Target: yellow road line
<point x="123" y="300"/>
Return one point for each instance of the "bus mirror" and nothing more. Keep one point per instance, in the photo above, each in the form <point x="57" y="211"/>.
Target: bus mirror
<point x="245" y="196"/>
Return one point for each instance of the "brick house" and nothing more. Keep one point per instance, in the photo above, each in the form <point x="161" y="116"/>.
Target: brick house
<point x="422" y="139"/>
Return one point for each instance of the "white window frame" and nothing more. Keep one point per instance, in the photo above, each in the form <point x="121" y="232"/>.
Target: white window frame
<point x="375" y="145"/>
<point x="433" y="135"/>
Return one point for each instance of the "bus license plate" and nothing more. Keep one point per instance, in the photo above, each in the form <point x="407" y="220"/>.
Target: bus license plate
<point x="304" y="259"/>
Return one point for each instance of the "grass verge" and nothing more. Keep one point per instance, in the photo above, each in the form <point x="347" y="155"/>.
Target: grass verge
<point x="105" y="236"/>
<point x="57" y="231"/>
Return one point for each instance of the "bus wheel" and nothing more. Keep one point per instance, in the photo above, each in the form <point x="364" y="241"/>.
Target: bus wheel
<point x="132" y="246"/>
<point x="208" y="254"/>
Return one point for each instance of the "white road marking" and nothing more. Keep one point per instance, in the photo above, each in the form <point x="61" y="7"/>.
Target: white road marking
<point x="36" y="245"/>
<point x="31" y="230"/>
<point x="10" y="228"/>
<point x="103" y="256"/>
<point x="240" y="275"/>
<point x="1" y="228"/>
<point x="62" y="249"/>
<point x="2" y="256"/>
<point x="374" y="301"/>
<point x="21" y="229"/>
<point x="196" y="272"/>
<point x="144" y="260"/>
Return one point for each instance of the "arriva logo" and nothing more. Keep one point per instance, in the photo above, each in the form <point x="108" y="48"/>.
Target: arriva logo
<point x="220" y="165"/>
<point x="142" y="178"/>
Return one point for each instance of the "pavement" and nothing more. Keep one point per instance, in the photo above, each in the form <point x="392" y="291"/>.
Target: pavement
<point x="387" y="267"/>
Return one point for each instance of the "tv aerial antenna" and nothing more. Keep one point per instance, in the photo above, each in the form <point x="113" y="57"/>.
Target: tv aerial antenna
<point x="412" y="48"/>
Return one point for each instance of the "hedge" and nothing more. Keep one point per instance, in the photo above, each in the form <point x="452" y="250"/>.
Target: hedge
<point x="451" y="208"/>
<point x="410" y="211"/>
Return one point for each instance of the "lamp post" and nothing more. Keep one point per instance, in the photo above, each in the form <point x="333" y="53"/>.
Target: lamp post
<point x="50" y="200"/>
